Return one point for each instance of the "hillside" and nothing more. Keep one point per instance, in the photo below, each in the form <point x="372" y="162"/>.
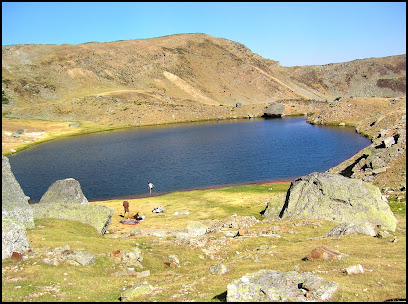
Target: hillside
<point x="192" y="77"/>
<point x="174" y="78"/>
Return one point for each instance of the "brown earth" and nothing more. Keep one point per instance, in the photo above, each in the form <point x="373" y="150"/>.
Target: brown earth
<point x="119" y="82"/>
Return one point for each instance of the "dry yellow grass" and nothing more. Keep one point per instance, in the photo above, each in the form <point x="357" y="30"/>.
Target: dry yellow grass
<point x="38" y="131"/>
<point x="201" y="205"/>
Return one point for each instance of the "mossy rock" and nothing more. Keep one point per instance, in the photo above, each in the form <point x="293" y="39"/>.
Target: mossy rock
<point x="97" y="216"/>
<point x="330" y="196"/>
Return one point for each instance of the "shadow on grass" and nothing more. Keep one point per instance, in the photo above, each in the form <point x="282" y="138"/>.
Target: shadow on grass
<point x="222" y="297"/>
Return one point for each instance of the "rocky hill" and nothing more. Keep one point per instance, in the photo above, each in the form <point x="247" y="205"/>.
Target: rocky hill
<point x="174" y="78"/>
<point x="190" y="77"/>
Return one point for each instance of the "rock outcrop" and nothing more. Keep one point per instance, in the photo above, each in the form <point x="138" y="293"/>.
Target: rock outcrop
<point x="64" y="200"/>
<point x="274" y="110"/>
<point x="17" y="214"/>
<point x="383" y="120"/>
<point x="271" y="285"/>
<point x="14" y="203"/>
<point x="329" y="196"/>
<point x="387" y="148"/>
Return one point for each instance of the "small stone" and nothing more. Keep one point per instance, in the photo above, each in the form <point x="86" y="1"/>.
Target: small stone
<point x="135" y="232"/>
<point x="16" y="256"/>
<point x="219" y="269"/>
<point x="174" y="259"/>
<point x="356" y="269"/>
<point x="173" y="265"/>
<point x="325" y="254"/>
<point x="83" y="258"/>
<point x="117" y="253"/>
<point x="132" y="293"/>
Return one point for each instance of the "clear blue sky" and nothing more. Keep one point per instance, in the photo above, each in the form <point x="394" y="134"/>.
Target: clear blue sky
<point x="303" y="33"/>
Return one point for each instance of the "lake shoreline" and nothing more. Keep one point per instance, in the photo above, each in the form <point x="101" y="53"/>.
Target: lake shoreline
<point x="138" y="190"/>
<point x="213" y="187"/>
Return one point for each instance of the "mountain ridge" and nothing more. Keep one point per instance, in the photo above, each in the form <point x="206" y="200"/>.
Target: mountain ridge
<point x="181" y="70"/>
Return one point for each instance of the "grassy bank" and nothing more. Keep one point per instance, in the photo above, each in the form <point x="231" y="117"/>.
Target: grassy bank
<point x="32" y="280"/>
<point x="46" y="130"/>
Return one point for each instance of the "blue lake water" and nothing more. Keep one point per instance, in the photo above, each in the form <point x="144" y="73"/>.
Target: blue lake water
<point x="185" y="156"/>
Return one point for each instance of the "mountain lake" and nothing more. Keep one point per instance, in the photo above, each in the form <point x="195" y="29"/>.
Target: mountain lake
<point x="175" y="157"/>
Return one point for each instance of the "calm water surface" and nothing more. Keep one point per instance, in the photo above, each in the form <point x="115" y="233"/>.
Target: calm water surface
<point x="185" y="156"/>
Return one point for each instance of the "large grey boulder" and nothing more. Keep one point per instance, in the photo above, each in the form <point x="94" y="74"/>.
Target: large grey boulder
<point x="17" y="214"/>
<point x="64" y="191"/>
<point x="271" y="285"/>
<point x="64" y="200"/>
<point x="14" y="203"/>
<point x="13" y="238"/>
<point x="274" y="110"/>
<point x="331" y="196"/>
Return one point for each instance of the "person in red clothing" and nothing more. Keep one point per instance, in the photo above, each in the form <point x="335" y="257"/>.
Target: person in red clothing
<point x="126" y="207"/>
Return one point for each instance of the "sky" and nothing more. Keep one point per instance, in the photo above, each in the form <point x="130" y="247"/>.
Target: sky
<point x="293" y="33"/>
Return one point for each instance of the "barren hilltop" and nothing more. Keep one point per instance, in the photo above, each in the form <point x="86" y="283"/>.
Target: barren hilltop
<point x="119" y="82"/>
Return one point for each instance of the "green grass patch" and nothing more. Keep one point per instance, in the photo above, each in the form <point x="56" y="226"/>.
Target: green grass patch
<point x="398" y="207"/>
<point x="264" y="188"/>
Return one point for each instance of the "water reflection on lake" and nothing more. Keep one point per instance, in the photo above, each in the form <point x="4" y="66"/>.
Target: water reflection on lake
<point x="184" y="156"/>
